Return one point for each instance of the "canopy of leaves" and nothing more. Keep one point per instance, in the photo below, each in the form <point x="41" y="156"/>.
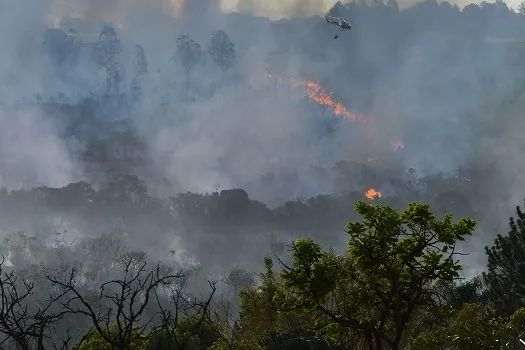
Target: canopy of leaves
<point x="94" y="341"/>
<point x="474" y="327"/>
<point x="394" y="261"/>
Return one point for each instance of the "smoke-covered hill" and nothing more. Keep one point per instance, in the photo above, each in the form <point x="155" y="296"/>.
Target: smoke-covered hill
<point x="423" y="103"/>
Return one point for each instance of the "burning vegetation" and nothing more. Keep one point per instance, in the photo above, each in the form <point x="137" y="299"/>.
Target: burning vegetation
<point x="373" y="194"/>
<point x="319" y="95"/>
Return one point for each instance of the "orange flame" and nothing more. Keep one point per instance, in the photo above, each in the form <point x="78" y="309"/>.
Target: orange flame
<point x="373" y="194"/>
<point x="318" y="94"/>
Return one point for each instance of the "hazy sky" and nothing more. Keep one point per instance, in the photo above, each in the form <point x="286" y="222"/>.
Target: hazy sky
<point x="114" y="10"/>
<point x="284" y="8"/>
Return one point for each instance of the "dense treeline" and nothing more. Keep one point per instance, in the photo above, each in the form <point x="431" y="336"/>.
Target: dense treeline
<point x="125" y="204"/>
<point x="397" y="285"/>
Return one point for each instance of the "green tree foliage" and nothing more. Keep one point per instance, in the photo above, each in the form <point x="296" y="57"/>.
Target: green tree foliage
<point x="261" y="324"/>
<point x="94" y="341"/>
<point x="393" y="263"/>
<point x="475" y="327"/>
<point x="190" y="334"/>
<point x="394" y="287"/>
<point x="470" y="291"/>
<point x="505" y="277"/>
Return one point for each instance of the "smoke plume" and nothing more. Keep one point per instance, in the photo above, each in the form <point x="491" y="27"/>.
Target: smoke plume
<point x="431" y="88"/>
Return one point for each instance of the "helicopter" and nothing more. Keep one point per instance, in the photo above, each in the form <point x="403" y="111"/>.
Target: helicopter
<point x="343" y="24"/>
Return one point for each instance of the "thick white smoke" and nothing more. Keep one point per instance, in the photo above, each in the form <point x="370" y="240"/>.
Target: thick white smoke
<point x="432" y="83"/>
<point x="31" y="152"/>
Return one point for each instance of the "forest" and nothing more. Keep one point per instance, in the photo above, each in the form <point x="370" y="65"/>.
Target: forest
<point x="398" y="284"/>
<point x="214" y="180"/>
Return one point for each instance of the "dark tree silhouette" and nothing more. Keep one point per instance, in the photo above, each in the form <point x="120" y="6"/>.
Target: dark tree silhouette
<point x="141" y="63"/>
<point x="108" y="50"/>
<point x="222" y="49"/>
<point x="140" y="68"/>
<point x="505" y="277"/>
<point x="184" y="320"/>
<point x="188" y="54"/>
<point x="24" y="322"/>
<point x="119" y="313"/>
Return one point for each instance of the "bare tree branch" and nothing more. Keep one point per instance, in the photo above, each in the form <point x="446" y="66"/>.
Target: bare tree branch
<point x="122" y="302"/>
<point x="23" y="324"/>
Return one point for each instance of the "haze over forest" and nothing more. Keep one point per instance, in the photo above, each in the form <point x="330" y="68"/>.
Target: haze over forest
<point x="274" y="127"/>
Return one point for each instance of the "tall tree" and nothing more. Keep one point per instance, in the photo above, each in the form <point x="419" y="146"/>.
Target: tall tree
<point x="505" y="277"/>
<point x="26" y="322"/>
<point x="140" y="68"/>
<point x="222" y="49"/>
<point x="188" y="54"/>
<point x="108" y="50"/>
<point x="127" y="300"/>
<point x="393" y="263"/>
<point x="262" y="325"/>
<point x="141" y="63"/>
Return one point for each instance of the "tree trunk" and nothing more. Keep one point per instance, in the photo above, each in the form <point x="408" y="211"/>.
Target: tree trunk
<point x="369" y="341"/>
<point x="379" y="343"/>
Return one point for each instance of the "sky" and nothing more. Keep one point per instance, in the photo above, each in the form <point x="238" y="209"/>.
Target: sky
<point x="286" y="8"/>
<point x="115" y="10"/>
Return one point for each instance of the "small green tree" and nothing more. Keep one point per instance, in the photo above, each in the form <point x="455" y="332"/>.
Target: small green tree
<point x="473" y="327"/>
<point x="262" y="325"/>
<point x="189" y="333"/>
<point x="94" y="341"/>
<point x="393" y="263"/>
<point x="427" y="329"/>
